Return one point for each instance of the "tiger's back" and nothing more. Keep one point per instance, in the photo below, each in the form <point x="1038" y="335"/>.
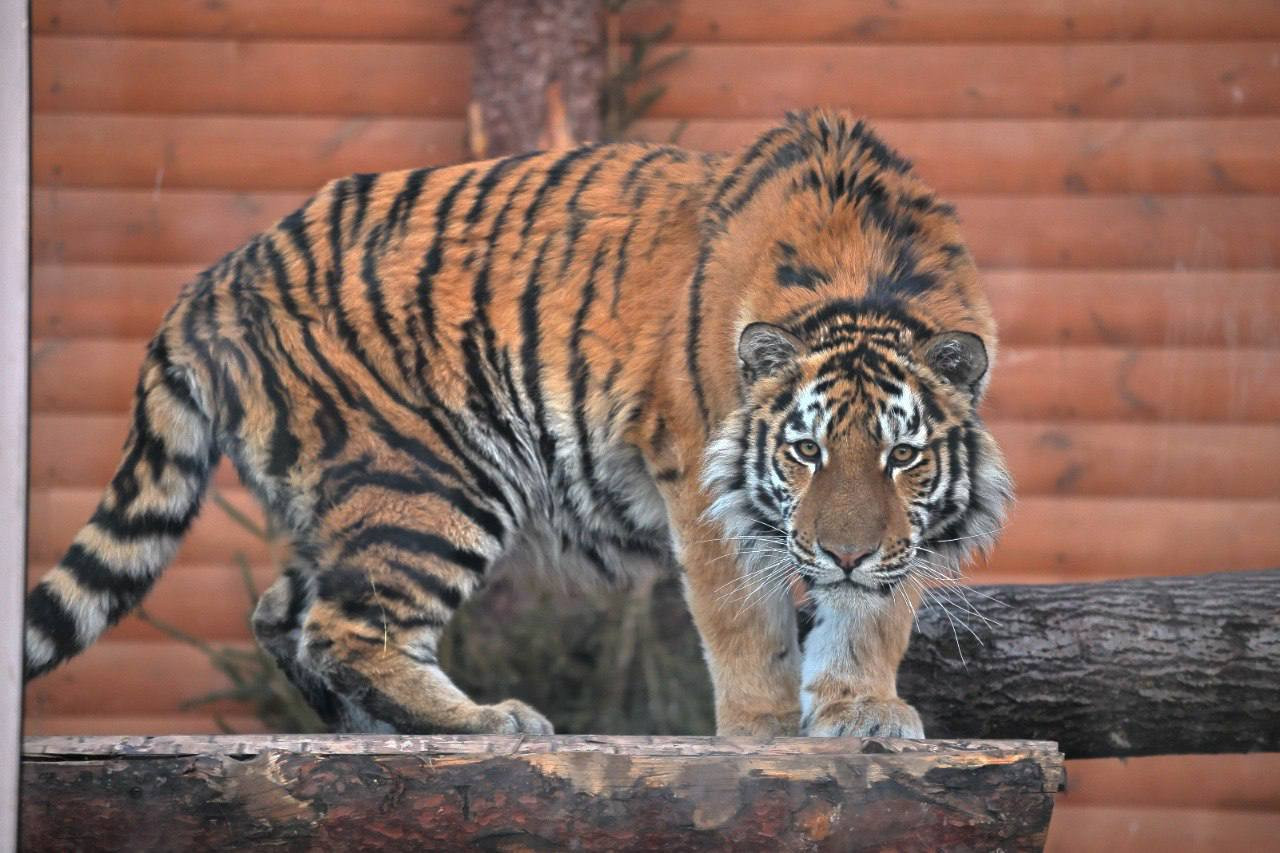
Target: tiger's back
<point x="417" y="372"/>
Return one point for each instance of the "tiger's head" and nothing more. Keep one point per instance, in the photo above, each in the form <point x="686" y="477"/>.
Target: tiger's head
<point x="857" y="457"/>
<point x="854" y="456"/>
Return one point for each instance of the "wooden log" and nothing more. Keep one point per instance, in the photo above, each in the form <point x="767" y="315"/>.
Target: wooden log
<point x="253" y="153"/>
<point x="1047" y="458"/>
<point x="1065" y="308"/>
<point x="861" y="21"/>
<point x="371" y="78"/>
<point x="1031" y="383"/>
<point x="516" y="793"/>
<point x="1199" y="232"/>
<point x="1133" y="667"/>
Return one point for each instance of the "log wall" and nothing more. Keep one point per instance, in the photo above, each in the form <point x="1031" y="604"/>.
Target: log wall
<point x="1115" y="165"/>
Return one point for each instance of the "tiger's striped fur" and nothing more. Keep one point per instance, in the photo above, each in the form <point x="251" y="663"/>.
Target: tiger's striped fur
<point x="610" y="351"/>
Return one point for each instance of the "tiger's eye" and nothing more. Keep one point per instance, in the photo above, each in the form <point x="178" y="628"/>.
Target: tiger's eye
<point x="904" y="454"/>
<point x="808" y="449"/>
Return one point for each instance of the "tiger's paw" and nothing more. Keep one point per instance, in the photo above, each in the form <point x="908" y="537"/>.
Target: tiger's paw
<point x="512" y="717"/>
<point x="864" y="717"/>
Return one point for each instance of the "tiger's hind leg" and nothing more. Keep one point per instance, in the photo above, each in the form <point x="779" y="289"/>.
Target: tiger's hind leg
<point x="395" y="557"/>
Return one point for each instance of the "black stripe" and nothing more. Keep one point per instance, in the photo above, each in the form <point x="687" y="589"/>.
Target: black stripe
<point x="530" y="362"/>
<point x="448" y="594"/>
<point x="692" y="341"/>
<point x="143" y="525"/>
<point x="554" y="175"/>
<point x="433" y="259"/>
<point x="414" y="542"/>
<point x="45" y="611"/>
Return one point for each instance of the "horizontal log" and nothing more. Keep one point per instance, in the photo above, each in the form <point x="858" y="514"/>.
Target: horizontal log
<point x="253" y="153"/>
<point x="190" y="76"/>
<point x="872" y="21"/>
<point x="362" y="78"/>
<point x="1010" y="232"/>
<point x="1047" y="458"/>
<point x="860" y="21"/>
<point x="593" y="793"/>
<point x="1228" y="782"/>
<point x="194" y="723"/>
<point x="1133" y="667"/>
<point x="1030" y="383"/>
<point x="1032" y="307"/>
<point x="131" y="677"/>
<point x="430" y="20"/>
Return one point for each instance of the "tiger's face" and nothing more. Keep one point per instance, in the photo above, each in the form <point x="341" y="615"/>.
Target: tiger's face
<point x="858" y="460"/>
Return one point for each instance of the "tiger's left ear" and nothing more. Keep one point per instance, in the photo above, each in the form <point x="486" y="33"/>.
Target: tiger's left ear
<point x="958" y="357"/>
<point x="764" y="349"/>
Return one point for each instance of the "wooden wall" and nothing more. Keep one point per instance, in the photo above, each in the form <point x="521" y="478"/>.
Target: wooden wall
<point x="1115" y="164"/>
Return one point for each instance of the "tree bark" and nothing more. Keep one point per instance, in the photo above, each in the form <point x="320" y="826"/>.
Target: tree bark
<point x="538" y="74"/>
<point x="1121" y="668"/>
<point x="512" y="793"/>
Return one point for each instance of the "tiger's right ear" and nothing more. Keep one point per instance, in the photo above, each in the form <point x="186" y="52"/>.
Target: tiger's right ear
<point x="764" y="349"/>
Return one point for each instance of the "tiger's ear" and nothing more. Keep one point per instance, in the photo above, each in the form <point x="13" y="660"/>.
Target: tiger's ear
<point x="958" y="357"/>
<point x="764" y="349"/>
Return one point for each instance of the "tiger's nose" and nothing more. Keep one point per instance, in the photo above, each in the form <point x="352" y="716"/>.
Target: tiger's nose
<point x="848" y="557"/>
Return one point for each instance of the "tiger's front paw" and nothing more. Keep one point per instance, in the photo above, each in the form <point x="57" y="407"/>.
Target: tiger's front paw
<point x="864" y="717"/>
<point x="512" y="717"/>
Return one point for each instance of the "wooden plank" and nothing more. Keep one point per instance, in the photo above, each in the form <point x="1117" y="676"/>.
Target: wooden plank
<point x="1008" y="232"/>
<point x="1031" y="383"/>
<point x="1076" y="537"/>
<point x="127" y="678"/>
<point x="37" y="724"/>
<point x="542" y="793"/>
<point x="872" y="21"/>
<point x="1126" y="829"/>
<point x="1131" y="308"/>
<point x="419" y="20"/>
<point x="1108" y="538"/>
<point x="1033" y="307"/>
<point x="965" y="156"/>
<point x="1249" y="782"/>
<point x="1053" y="458"/>
<point x="1136" y="384"/>
<point x="859" y="21"/>
<point x="364" y="78"/>
<point x="988" y="81"/>
<point x="191" y="76"/>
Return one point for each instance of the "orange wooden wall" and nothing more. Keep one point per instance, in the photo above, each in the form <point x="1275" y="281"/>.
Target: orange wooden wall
<point x="1115" y="163"/>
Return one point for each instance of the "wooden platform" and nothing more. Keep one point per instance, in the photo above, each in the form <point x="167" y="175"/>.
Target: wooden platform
<point x="373" y="792"/>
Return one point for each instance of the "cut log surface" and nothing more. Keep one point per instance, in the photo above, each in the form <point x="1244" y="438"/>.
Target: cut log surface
<point x="592" y="793"/>
<point x="1133" y="667"/>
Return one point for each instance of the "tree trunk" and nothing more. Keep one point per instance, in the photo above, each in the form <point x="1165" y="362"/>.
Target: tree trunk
<point x="1134" y="667"/>
<point x="514" y="793"/>
<point x="538" y="75"/>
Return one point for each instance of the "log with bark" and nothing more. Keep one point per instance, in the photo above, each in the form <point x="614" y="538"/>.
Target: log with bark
<point x="1119" y="668"/>
<point x="537" y="75"/>
<point x="370" y="792"/>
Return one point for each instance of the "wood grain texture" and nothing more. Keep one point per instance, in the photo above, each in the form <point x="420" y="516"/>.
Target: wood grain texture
<point x="1134" y="667"/>
<point x="595" y="793"/>
<point x="1200" y="232"/>
<point x="1145" y="384"/>
<point x="859" y="21"/>
<point x="1046" y="457"/>
<point x="254" y="153"/>
<point x="1208" y="308"/>
<point x="362" y="78"/>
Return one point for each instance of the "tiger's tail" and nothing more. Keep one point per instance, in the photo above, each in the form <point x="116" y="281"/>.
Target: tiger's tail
<point x="136" y="528"/>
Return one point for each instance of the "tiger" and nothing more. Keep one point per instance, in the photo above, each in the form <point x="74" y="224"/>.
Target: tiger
<point x="762" y="369"/>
